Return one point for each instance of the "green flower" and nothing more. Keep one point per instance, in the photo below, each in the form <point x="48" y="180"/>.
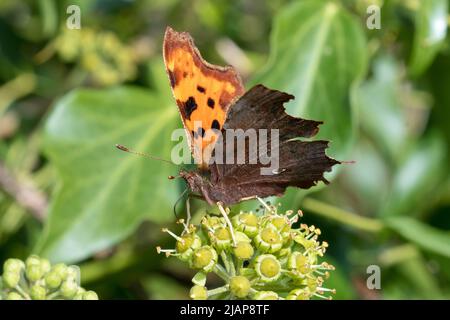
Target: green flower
<point x="198" y="293"/>
<point x="258" y="256"/>
<point x="100" y="53"/>
<point x="240" y="286"/>
<point x="243" y="250"/>
<point x="37" y="279"/>
<point x="246" y="222"/>
<point x="221" y="238"/>
<point x="204" y="258"/>
<point x="269" y="239"/>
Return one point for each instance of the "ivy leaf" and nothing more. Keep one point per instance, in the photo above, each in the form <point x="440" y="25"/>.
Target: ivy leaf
<point x="318" y="54"/>
<point x="431" y="28"/>
<point x="105" y="193"/>
<point x="417" y="179"/>
<point x="379" y="103"/>
<point x="423" y="235"/>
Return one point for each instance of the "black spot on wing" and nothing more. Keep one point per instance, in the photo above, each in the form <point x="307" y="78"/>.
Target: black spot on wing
<point x="201" y="132"/>
<point x="215" y="125"/>
<point x="189" y="106"/>
<point x="211" y="103"/>
<point x="201" y="89"/>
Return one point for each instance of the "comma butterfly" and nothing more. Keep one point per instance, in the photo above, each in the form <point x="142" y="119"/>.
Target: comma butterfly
<point x="213" y="99"/>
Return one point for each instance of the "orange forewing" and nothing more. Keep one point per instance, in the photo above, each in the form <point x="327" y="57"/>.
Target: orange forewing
<point x="203" y="91"/>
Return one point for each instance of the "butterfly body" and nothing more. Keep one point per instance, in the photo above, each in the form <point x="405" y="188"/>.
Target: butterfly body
<point x="259" y="110"/>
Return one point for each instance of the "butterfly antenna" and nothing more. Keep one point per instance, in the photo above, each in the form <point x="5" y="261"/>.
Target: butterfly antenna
<point x="178" y="200"/>
<point x="126" y="149"/>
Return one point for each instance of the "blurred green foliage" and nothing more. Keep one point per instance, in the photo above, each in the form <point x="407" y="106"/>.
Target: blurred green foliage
<point x="67" y="96"/>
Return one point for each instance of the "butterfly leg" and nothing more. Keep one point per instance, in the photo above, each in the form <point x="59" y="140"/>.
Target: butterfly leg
<point x="188" y="215"/>
<point x="176" y="203"/>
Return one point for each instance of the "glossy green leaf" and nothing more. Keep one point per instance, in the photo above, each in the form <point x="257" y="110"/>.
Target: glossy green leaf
<point x="423" y="235"/>
<point x="106" y="193"/>
<point x="318" y="53"/>
<point x="417" y="178"/>
<point x="381" y="113"/>
<point x="431" y="28"/>
<point x="369" y="176"/>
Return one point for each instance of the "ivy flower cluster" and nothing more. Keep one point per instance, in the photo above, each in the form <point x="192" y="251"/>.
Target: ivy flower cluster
<point x="37" y="279"/>
<point x="258" y="255"/>
<point x="102" y="54"/>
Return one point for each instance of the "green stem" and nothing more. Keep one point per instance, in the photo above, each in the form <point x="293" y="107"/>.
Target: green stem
<point x="220" y="271"/>
<point x="232" y="267"/>
<point x="398" y="254"/>
<point x="53" y="295"/>
<point x="22" y="292"/>
<point x="343" y="216"/>
<point x="224" y="257"/>
<point x="218" y="290"/>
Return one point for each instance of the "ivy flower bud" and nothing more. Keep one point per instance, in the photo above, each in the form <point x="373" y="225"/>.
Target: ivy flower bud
<point x="266" y="295"/>
<point x="299" y="294"/>
<point x="241" y="237"/>
<point x="268" y="267"/>
<point x="34" y="272"/>
<point x="186" y="245"/>
<point x="53" y="279"/>
<point x="13" y="265"/>
<point x="240" y="286"/>
<point x="36" y="279"/>
<point x="212" y="222"/>
<point x="11" y="279"/>
<point x="14" y="296"/>
<point x="73" y="272"/>
<point x="269" y="240"/>
<point x="283" y="226"/>
<point x="90" y="295"/>
<point x="61" y="270"/>
<point x="37" y="292"/>
<point x="305" y="242"/>
<point x="298" y="262"/>
<point x="243" y="250"/>
<point x="79" y="294"/>
<point x="246" y="222"/>
<point x="32" y="260"/>
<point x="313" y="283"/>
<point x="69" y="288"/>
<point x="222" y="238"/>
<point x="45" y="266"/>
<point x="204" y="258"/>
<point x="198" y="293"/>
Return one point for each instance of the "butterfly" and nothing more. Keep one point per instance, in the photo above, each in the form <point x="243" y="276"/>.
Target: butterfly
<point x="212" y="99"/>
